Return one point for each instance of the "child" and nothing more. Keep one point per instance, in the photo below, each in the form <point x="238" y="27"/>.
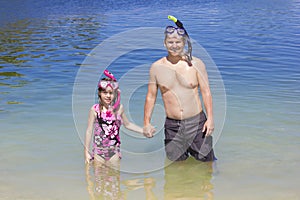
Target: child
<point x="105" y="119"/>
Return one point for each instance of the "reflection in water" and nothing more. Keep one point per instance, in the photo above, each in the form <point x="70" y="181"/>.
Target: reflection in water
<point x="103" y="182"/>
<point x="9" y="78"/>
<point x="146" y="184"/>
<point x="188" y="179"/>
<point x="39" y="55"/>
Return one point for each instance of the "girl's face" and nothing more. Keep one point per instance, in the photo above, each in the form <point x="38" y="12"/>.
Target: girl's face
<point x="106" y="96"/>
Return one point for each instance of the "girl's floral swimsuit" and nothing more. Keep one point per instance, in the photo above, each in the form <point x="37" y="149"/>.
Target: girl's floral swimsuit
<point x="106" y="134"/>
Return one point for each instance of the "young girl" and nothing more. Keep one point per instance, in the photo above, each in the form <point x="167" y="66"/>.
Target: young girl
<point x="105" y="119"/>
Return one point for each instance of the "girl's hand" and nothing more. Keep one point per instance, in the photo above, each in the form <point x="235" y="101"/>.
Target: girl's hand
<point x="88" y="158"/>
<point x="148" y="131"/>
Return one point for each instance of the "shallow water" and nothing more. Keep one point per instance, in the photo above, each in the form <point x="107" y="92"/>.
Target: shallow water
<point x="46" y="46"/>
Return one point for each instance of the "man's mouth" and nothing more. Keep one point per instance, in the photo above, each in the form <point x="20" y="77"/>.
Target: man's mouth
<point x="174" y="50"/>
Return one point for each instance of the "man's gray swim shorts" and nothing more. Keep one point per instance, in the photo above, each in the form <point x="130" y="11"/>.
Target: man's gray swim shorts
<point x="185" y="137"/>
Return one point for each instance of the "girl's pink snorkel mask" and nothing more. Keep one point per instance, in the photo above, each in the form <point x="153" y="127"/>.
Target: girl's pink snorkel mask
<point x="103" y="84"/>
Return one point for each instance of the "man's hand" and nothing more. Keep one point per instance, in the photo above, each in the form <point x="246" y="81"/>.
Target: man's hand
<point x="208" y="127"/>
<point x="148" y="131"/>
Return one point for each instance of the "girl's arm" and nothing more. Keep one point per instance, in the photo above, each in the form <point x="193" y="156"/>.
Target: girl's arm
<point x="88" y="135"/>
<point x="129" y="125"/>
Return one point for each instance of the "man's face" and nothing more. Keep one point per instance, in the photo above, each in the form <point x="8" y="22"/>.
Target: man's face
<point x="174" y="44"/>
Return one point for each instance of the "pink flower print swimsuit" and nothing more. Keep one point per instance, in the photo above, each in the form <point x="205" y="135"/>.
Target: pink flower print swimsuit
<point x="106" y="134"/>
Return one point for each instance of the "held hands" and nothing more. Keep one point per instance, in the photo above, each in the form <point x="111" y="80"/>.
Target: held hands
<point x="148" y="131"/>
<point x="208" y="127"/>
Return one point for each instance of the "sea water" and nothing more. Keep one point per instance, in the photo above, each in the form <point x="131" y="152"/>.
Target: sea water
<point x="50" y="50"/>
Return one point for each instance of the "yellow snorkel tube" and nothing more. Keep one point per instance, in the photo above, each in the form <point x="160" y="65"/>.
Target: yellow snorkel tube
<point x="180" y="25"/>
<point x="176" y="21"/>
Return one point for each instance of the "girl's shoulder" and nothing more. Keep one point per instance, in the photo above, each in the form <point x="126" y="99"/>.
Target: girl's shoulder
<point x="120" y="110"/>
<point x="96" y="108"/>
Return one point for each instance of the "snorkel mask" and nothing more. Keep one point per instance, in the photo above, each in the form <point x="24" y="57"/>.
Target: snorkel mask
<point x="182" y="32"/>
<point x="103" y="84"/>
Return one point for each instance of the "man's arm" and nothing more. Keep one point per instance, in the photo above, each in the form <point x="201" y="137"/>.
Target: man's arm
<point x="206" y="96"/>
<point x="149" y="104"/>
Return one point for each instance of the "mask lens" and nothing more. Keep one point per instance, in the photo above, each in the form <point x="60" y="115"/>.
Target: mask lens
<point x="180" y="31"/>
<point x="170" y="29"/>
<point x="115" y="85"/>
<point x="105" y="84"/>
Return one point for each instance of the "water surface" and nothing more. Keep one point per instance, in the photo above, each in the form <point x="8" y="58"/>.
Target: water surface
<point x="255" y="46"/>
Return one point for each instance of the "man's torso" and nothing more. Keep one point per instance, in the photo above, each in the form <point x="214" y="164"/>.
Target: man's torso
<point x="179" y="85"/>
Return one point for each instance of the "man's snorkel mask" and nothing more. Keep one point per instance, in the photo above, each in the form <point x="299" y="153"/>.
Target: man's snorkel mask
<point x="103" y="84"/>
<point x="179" y="24"/>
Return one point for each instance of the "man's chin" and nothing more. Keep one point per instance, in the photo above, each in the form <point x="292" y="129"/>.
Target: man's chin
<point x="175" y="54"/>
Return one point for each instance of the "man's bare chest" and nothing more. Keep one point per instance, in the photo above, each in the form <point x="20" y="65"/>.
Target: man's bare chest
<point x="173" y="79"/>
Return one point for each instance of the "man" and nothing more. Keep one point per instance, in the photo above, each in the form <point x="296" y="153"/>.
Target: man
<point x="187" y="130"/>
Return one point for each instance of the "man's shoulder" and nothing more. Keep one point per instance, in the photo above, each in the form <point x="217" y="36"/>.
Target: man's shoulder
<point x="197" y="59"/>
<point x="159" y="61"/>
<point x="198" y="62"/>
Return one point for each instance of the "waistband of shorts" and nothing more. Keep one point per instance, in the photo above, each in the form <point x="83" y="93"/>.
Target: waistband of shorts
<point x="187" y="119"/>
